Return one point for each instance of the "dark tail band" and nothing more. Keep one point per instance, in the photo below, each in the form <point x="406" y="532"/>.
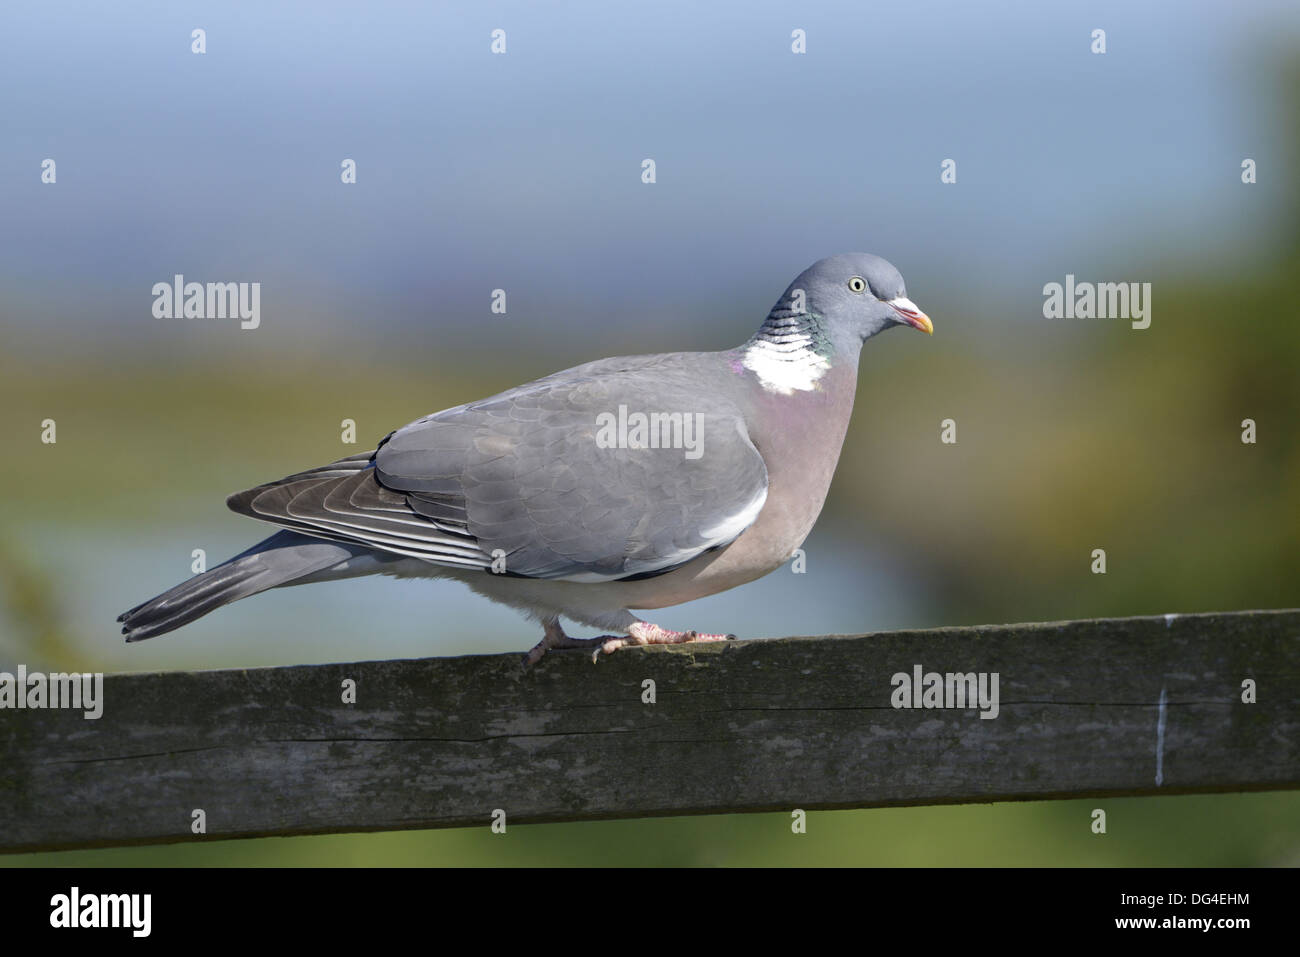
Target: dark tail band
<point x="279" y="560"/>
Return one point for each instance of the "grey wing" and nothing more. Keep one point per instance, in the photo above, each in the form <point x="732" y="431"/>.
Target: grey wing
<point x="543" y="479"/>
<point x="344" y="502"/>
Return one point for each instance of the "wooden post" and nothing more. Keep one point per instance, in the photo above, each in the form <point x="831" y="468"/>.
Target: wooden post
<point x="1085" y="708"/>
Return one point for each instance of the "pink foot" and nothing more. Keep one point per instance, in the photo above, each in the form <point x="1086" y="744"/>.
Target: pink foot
<point x="639" y="633"/>
<point x="644" y="633"/>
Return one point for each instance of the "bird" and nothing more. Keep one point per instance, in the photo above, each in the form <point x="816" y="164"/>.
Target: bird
<point x="625" y="484"/>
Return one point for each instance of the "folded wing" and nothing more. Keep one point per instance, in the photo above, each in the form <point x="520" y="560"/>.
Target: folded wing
<point x="542" y="479"/>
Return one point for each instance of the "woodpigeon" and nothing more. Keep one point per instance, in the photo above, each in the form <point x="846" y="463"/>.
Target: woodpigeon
<point x="629" y="483"/>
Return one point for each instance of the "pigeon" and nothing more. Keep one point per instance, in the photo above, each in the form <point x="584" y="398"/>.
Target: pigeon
<point x="636" y="482"/>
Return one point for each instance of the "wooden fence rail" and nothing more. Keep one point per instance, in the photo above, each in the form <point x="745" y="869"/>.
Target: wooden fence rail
<point x="1084" y="708"/>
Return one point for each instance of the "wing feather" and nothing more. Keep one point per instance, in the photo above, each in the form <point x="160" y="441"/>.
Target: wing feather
<point x="522" y="474"/>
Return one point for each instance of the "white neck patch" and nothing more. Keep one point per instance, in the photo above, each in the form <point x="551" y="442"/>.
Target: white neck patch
<point x="787" y="366"/>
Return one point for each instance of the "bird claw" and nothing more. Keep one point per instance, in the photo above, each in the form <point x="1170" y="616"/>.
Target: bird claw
<point x="644" y="633"/>
<point x="640" y="633"/>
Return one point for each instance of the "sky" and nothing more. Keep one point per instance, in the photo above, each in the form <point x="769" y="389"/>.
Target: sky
<point x="522" y="171"/>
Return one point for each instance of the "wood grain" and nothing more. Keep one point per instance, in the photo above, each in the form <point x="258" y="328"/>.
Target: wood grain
<point x="760" y="725"/>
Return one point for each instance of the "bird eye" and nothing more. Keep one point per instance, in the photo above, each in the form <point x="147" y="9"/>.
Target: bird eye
<point x="857" y="284"/>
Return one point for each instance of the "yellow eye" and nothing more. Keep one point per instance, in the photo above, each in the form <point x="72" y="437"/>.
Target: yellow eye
<point x="857" y="284"/>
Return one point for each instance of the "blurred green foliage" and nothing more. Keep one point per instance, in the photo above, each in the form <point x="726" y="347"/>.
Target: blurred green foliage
<point x="1130" y="442"/>
<point x="1195" y="831"/>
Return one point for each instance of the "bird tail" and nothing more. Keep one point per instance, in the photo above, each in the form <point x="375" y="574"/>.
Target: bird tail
<point x="282" y="559"/>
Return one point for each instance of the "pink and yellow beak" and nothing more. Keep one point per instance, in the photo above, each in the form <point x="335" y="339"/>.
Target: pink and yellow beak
<point x="911" y="314"/>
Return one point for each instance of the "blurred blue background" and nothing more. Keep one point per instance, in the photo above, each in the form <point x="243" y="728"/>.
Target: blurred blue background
<point x="523" y="171"/>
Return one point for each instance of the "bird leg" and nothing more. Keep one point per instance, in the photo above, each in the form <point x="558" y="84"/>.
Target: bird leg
<point x="638" y="633"/>
<point x="555" y="637"/>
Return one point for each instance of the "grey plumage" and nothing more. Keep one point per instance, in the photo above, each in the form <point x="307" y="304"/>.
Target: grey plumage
<point x="283" y="558"/>
<point x="520" y="496"/>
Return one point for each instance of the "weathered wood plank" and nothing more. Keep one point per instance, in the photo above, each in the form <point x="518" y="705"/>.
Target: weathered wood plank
<point x="742" y="726"/>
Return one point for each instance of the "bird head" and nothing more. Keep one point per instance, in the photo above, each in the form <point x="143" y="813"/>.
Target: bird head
<point x="857" y="295"/>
